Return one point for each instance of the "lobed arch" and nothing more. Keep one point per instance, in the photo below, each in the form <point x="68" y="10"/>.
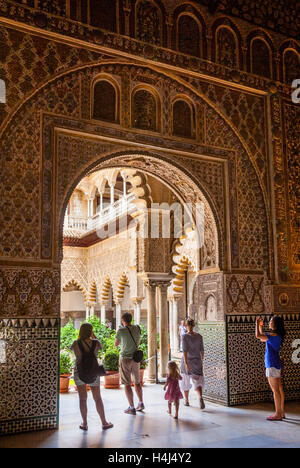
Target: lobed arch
<point x="93" y="293"/>
<point x="179" y="270"/>
<point x="122" y="283"/>
<point x="79" y="287"/>
<point x="181" y="182"/>
<point x="105" y="290"/>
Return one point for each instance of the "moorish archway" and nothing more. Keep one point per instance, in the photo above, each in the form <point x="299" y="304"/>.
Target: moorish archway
<point x="52" y="142"/>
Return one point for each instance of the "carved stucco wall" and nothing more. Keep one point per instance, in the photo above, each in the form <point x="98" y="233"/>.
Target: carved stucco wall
<point x="226" y="166"/>
<point x="242" y="197"/>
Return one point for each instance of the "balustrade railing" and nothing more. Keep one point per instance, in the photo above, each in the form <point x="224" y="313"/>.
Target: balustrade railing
<point x="110" y="212"/>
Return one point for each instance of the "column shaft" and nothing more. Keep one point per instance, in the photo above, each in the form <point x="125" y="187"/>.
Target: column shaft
<point x="152" y="331"/>
<point x="118" y="315"/>
<point x="175" y="326"/>
<point x="103" y="314"/>
<point x="164" y="329"/>
<point x="137" y="312"/>
<point x="171" y="322"/>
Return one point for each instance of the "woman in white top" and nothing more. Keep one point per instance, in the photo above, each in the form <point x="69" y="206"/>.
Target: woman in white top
<point x="87" y="339"/>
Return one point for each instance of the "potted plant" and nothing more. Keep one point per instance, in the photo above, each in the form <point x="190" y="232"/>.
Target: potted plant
<point x="111" y="364"/>
<point x="66" y="366"/>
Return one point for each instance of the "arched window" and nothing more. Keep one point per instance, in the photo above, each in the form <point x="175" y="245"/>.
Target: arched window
<point x="291" y="66"/>
<point x="144" y="112"/>
<point x="148" y="20"/>
<point x="188" y="35"/>
<point x="226" y="48"/>
<point x="104" y="101"/>
<point x="260" y="58"/>
<point x="103" y="14"/>
<point x="182" y="119"/>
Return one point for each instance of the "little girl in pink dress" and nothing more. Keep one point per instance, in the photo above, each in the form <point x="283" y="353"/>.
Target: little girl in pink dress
<point x="173" y="394"/>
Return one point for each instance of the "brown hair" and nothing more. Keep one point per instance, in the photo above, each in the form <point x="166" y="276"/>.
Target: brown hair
<point x="174" y="372"/>
<point x="190" y="322"/>
<point x="127" y="318"/>
<point x="85" y="331"/>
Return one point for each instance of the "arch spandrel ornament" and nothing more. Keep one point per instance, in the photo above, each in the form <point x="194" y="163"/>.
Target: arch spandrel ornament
<point x="92" y="151"/>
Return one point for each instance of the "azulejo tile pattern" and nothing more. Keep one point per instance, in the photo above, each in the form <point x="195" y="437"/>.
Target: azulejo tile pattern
<point x="246" y="372"/>
<point x="215" y="369"/>
<point x="29" y="378"/>
<point x="234" y="360"/>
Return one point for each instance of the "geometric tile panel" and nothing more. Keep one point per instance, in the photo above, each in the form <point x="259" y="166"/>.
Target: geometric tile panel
<point x="215" y="371"/>
<point x="29" y="376"/>
<point x="246" y="370"/>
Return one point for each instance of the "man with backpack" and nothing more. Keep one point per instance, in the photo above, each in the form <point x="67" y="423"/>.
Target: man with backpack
<point x="128" y="338"/>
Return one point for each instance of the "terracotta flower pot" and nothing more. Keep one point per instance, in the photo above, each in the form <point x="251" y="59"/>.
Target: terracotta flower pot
<point x="64" y="383"/>
<point x="112" y="379"/>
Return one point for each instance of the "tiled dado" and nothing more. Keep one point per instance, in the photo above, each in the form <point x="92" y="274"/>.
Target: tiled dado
<point x="215" y="369"/>
<point x="234" y="360"/>
<point x="28" y="374"/>
<point x="247" y="382"/>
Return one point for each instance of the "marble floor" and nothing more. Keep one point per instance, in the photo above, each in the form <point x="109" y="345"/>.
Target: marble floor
<point x="214" y="427"/>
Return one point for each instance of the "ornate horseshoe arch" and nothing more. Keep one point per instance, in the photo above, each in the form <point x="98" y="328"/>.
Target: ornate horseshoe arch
<point x="187" y="156"/>
<point x="177" y="178"/>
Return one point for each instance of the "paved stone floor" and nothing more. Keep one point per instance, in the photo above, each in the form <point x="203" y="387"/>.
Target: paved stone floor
<point x="215" y="427"/>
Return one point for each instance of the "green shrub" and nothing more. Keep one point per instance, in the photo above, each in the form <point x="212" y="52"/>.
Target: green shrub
<point x="111" y="359"/>
<point x="144" y="345"/>
<point x="66" y="363"/>
<point x="105" y="335"/>
<point x="68" y="334"/>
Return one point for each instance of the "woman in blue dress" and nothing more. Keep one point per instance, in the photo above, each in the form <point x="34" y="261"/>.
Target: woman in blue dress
<point x="273" y="363"/>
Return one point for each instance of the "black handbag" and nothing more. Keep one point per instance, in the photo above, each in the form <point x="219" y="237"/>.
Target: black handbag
<point x="138" y="355"/>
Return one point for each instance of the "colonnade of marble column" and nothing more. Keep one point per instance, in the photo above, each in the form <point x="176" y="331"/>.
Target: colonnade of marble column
<point x="160" y="287"/>
<point x="157" y="301"/>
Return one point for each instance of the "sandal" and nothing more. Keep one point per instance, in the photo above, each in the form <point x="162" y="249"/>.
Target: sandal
<point x="186" y="403"/>
<point x="273" y="418"/>
<point x="107" y="426"/>
<point x="83" y="428"/>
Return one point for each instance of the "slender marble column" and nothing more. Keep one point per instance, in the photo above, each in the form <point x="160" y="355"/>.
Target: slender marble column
<point x="171" y="325"/>
<point x="103" y="313"/>
<point x="87" y="312"/>
<point x="175" y="324"/>
<point x="164" y="327"/>
<point x="118" y="315"/>
<point x="152" y="330"/>
<point x="112" y="194"/>
<point x="137" y="310"/>
<point x="92" y="310"/>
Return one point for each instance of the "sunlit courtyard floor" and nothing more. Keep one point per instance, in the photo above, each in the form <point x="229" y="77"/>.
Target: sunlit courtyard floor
<point x="216" y="426"/>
